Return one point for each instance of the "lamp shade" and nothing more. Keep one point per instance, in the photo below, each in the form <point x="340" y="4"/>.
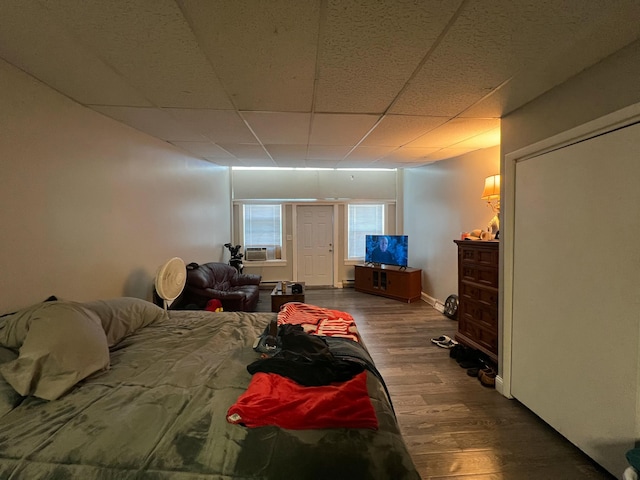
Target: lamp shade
<point x="491" y="188"/>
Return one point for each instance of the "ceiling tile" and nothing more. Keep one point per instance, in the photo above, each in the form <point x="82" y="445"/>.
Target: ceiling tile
<point x="264" y="52"/>
<point x="561" y="61"/>
<point x="407" y="154"/>
<point x="279" y="127"/>
<point x="148" y="43"/>
<point x="248" y="152"/>
<point x="369" y="153"/>
<point x="327" y="152"/>
<point x="448" y="153"/>
<point x="357" y="163"/>
<point x="482" y="140"/>
<point x="287" y="152"/>
<point x="489" y="43"/>
<point x="289" y="162"/>
<point x="397" y="130"/>
<point x="455" y="131"/>
<point x="49" y="53"/>
<point x="153" y="121"/>
<point x="321" y="163"/>
<point x="250" y="161"/>
<point x="376" y="48"/>
<point x="219" y="126"/>
<point x="340" y="129"/>
<point x="418" y="163"/>
<point x="204" y="149"/>
<point x="226" y="162"/>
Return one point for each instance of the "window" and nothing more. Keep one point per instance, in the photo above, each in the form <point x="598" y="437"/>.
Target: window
<point x="263" y="229"/>
<point x="363" y="219"/>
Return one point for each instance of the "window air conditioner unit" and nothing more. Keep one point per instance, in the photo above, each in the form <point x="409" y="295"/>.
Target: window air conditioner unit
<point x="255" y="254"/>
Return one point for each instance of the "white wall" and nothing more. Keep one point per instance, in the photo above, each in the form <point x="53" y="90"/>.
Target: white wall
<point x="442" y="200"/>
<point x="604" y="88"/>
<point x="303" y="187"/>
<point x="314" y="184"/>
<point x="90" y="208"/>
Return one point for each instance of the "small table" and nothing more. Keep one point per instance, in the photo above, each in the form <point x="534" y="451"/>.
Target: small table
<point x="279" y="297"/>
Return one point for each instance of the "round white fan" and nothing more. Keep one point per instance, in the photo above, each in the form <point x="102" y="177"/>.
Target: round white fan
<point x="170" y="280"/>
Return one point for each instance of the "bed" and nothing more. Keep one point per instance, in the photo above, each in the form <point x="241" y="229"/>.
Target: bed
<point x="122" y="389"/>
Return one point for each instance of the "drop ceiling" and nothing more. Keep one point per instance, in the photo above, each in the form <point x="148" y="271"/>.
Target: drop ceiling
<point x="312" y="83"/>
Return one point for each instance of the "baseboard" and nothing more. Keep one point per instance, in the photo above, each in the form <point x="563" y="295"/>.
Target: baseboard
<point x="430" y="300"/>
<point x="500" y="386"/>
<point x="434" y="302"/>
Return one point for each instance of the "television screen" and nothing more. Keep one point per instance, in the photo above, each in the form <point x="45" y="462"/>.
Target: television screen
<point x="387" y="249"/>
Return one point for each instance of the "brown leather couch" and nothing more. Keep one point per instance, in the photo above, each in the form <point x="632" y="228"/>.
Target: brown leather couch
<point x="237" y="292"/>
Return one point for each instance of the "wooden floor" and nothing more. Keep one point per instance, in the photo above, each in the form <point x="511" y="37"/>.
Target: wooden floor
<point x="454" y="427"/>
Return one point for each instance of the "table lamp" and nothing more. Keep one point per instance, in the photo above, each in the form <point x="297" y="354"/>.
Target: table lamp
<point x="491" y="194"/>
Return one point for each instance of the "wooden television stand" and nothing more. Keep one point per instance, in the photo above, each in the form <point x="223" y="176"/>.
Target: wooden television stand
<point x="403" y="284"/>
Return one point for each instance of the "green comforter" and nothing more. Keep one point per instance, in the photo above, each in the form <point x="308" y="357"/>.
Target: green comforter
<point x="160" y="411"/>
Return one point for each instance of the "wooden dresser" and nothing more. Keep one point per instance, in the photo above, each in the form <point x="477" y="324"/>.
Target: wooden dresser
<point x="478" y="295"/>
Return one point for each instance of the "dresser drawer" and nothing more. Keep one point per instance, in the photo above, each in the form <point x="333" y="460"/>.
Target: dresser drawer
<point x="483" y="337"/>
<point x="483" y="295"/>
<point x="479" y="256"/>
<point x="475" y="312"/>
<point x="484" y="275"/>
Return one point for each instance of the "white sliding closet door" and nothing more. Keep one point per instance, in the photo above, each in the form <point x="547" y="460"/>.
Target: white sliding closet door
<point x="576" y="292"/>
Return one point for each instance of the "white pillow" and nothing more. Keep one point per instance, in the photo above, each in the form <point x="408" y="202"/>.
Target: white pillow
<point x="9" y="398"/>
<point x="60" y="344"/>
<point x="122" y="316"/>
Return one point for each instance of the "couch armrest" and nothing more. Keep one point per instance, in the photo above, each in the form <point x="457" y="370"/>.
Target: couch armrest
<point x="222" y="294"/>
<point x="231" y="301"/>
<point x="247" y="279"/>
<point x="201" y="296"/>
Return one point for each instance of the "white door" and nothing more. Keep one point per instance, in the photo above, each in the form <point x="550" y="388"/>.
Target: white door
<point x="314" y="237"/>
<point x="575" y="311"/>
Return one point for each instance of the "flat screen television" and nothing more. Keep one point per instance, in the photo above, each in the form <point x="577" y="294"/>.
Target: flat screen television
<point x="387" y="249"/>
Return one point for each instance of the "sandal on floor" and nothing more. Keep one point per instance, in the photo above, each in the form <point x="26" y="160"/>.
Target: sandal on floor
<point x="444" y="341"/>
<point x="441" y="339"/>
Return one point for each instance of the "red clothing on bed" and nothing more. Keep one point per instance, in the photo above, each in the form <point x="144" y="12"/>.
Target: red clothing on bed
<point x="272" y="399"/>
<point x="319" y="320"/>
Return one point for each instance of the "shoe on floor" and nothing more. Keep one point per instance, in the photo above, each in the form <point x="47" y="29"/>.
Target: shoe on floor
<point x="467" y="355"/>
<point x="441" y="339"/>
<point x="487" y="377"/>
<point x="444" y="341"/>
<point x="471" y="364"/>
<point x="456" y="350"/>
<point x="487" y="371"/>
